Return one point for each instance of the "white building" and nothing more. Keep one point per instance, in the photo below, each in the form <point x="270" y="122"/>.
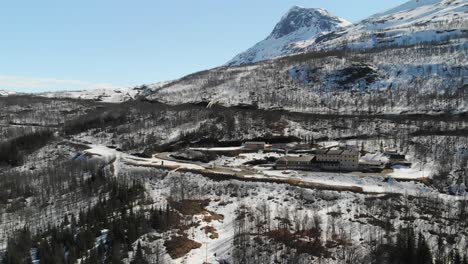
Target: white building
<point x="338" y="159"/>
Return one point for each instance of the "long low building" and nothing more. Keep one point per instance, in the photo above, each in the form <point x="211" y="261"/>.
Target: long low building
<point x="310" y="162"/>
<point x="338" y="159"/>
<point x="295" y="163"/>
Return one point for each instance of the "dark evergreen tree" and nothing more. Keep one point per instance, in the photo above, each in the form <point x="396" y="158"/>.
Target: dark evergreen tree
<point x="139" y="257"/>
<point x="18" y="248"/>
<point x="456" y="258"/>
<point x="423" y="255"/>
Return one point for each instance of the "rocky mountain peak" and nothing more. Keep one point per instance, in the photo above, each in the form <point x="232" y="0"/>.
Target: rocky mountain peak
<point x="298" y="24"/>
<point x="299" y="17"/>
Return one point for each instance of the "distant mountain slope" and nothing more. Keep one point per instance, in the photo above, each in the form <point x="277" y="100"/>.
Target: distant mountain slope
<point x="102" y="95"/>
<point x="413" y="4"/>
<point x="6" y="93"/>
<point x="297" y="25"/>
<point x="417" y="21"/>
<point x="410" y="59"/>
<point x="107" y="95"/>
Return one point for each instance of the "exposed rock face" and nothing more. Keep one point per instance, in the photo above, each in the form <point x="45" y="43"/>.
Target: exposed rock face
<point x="297" y="25"/>
<point x="298" y="18"/>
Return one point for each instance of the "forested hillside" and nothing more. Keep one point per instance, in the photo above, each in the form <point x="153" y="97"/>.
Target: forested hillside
<point x="426" y="78"/>
<point x="88" y="189"/>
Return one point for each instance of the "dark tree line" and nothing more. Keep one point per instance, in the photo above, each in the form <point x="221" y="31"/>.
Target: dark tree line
<point x="59" y="177"/>
<point x="408" y="248"/>
<point x="412" y="248"/>
<point x="14" y="151"/>
<point x="95" y="119"/>
<point x="103" y="233"/>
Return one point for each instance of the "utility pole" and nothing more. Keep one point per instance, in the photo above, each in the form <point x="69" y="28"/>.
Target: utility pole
<point x="206" y="248"/>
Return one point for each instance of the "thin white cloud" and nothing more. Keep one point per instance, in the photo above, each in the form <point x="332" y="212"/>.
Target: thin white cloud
<point x="33" y="84"/>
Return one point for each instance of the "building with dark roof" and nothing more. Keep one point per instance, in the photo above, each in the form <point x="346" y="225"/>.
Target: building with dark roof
<point x="254" y="145"/>
<point x="341" y="159"/>
<point x="295" y="163"/>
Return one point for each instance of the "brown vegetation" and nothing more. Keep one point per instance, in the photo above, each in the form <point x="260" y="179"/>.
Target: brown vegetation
<point x="179" y="246"/>
<point x="190" y="207"/>
<point x="213" y="217"/>
<point x="211" y="231"/>
<point x="307" y="244"/>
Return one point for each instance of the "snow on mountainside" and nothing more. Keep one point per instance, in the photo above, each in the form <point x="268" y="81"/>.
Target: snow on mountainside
<point x="413" y="4"/>
<point x="297" y="25"/>
<point x="6" y="93"/>
<point x="415" y="22"/>
<point x="107" y="95"/>
<point x="416" y="50"/>
<point x="103" y="95"/>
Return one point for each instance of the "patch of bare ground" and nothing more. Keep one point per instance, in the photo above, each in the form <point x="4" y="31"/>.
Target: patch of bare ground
<point x="372" y="220"/>
<point x="179" y="246"/>
<point x="306" y="241"/>
<point x="211" y="232"/>
<point x="212" y="216"/>
<point x="190" y="207"/>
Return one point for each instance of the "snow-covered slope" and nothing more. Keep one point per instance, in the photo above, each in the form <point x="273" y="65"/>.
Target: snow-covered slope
<point x="104" y="95"/>
<point x="413" y="4"/>
<point x="388" y="80"/>
<point x="415" y="22"/>
<point x="107" y="95"/>
<point x="297" y="25"/>
<point x="6" y="93"/>
<point x="416" y="50"/>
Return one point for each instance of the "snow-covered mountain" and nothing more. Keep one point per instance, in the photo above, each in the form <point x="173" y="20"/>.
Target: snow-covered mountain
<point x="297" y="25"/>
<point x="416" y="50"/>
<point x="107" y="95"/>
<point x="421" y="51"/>
<point x="102" y="95"/>
<point x="6" y="93"/>
<point x="415" y="22"/>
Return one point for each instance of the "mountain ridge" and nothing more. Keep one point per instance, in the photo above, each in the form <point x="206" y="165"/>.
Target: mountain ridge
<point x="298" y="24"/>
<point x="412" y="53"/>
<point x="414" y="22"/>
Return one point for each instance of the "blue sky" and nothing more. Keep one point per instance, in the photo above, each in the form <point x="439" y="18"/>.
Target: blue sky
<point x="68" y="45"/>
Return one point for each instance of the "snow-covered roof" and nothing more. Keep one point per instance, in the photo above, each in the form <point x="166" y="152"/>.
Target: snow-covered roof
<point x="297" y="159"/>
